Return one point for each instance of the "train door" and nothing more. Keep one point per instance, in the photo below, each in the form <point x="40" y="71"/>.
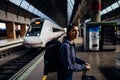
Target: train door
<point x="108" y="37"/>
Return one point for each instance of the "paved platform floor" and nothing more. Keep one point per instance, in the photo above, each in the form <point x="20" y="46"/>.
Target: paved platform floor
<point x="102" y="63"/>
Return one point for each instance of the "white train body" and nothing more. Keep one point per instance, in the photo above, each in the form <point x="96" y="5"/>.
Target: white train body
<point x="40" y="32"/>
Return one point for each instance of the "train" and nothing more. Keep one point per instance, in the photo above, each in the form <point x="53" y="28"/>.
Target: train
<point x="40" y="31"/>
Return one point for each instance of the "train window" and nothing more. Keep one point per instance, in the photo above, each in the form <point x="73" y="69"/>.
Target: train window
<point x="35" y="28"/>
<point x="55" y="30"/>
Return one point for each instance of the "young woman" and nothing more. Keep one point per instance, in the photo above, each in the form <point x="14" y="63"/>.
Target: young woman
<point x="69" y="61"/>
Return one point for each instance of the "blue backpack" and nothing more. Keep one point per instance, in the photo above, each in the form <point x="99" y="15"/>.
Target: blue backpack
<point x="51" y="57"/>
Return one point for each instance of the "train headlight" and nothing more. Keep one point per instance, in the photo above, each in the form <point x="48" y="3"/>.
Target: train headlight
<point x="27" y="34"/>
<point x="38" y="34"/>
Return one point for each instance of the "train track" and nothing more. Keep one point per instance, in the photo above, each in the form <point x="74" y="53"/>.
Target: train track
<point x="6" y="52"/>
<point x="10" y="68"/>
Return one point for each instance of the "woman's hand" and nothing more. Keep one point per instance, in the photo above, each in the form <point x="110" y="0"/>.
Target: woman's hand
<point x="88" y="66"/>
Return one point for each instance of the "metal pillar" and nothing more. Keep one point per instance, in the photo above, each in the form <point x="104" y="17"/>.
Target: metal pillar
<point x="95" y="7"/>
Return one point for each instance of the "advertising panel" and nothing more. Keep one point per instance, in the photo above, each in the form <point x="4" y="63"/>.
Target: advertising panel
<point x="94" y="38"/>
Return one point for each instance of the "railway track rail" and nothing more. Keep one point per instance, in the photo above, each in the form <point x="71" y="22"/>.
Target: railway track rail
<point x="10" y="68"/>
<point x="10" y="51"/>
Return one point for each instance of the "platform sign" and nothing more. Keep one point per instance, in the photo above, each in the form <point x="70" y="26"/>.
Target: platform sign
<point x="94" y="38"/>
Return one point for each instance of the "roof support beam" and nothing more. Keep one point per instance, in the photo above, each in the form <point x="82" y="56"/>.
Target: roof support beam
<point x="19" y="9"/>
<point x="81" y="10"/>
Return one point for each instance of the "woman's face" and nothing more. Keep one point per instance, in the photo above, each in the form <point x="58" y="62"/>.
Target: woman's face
<point x="74" y="33"/>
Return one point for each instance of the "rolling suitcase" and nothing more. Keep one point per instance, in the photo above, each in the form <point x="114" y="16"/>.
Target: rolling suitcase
<point x="87" y="77"/>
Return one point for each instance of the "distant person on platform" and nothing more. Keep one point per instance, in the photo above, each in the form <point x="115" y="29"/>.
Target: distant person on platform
<point x="69" y="62"/>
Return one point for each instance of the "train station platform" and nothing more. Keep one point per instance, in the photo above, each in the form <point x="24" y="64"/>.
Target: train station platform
<point x="103" y="65"/>
<point x="9" y="43"/>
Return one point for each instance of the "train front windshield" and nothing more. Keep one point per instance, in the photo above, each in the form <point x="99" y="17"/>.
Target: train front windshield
<point x="35" y="28"/>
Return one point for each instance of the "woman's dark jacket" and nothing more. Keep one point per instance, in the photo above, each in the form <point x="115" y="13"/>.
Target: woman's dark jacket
<point x="68" y="58"/>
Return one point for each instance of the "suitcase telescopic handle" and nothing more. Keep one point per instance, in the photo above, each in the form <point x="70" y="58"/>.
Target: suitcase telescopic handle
<point x="84" y="72"/>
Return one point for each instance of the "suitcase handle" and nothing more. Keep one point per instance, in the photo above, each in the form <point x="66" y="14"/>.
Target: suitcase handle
<point x="84" y="75"/>
<point x="84" y="72"/>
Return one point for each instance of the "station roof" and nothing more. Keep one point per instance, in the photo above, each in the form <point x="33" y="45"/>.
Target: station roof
<point x="84" y="12"/>
<point x="57" y="10"/>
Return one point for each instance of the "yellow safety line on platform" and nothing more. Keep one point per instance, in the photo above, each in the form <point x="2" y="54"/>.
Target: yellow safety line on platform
<point x="44" y="77"/>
